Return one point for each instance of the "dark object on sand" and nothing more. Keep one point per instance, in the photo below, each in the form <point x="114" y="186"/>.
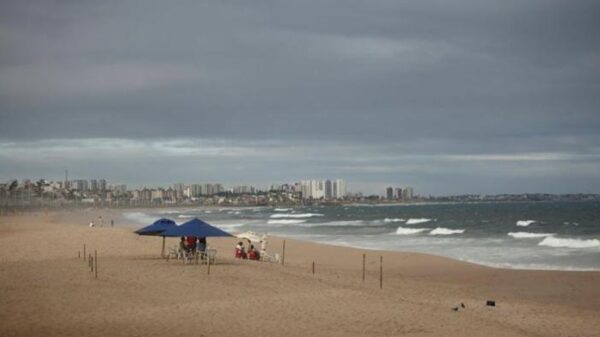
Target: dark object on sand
<point x="491" y="303"/>
<point x="455" y="308"/>
<point x="463" y="305"/>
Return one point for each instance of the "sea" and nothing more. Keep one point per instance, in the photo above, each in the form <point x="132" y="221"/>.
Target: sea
<point x="520" y="235"/>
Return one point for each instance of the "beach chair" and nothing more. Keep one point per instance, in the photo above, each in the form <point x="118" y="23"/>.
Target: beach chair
<point x="210" y="256"/>
<point x="173" y="253"/>
<point x="266" y="257"/>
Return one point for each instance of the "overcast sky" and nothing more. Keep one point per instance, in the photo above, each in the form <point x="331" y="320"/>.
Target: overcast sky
<point x="480" y="96"/>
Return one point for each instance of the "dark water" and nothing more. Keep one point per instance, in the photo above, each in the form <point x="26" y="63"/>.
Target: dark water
<point x="517" y="235"/>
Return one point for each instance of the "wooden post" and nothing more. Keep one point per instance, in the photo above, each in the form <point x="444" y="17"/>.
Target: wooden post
<point x="96" y="261"/>
<point x="162" y="252"/>
<point x="208" y="266"/>
<point x="84" y="254"/>
<point x="91" y="263"/>
<point x="283" y="254"/>
<point x="381" y="272"/>
<point x="313" y="267"/>
<point x="79" y="254"/>
<point x="364" y="262"/>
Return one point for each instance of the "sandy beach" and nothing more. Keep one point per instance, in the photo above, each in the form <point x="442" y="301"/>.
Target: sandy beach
<point x="46" y="290"/>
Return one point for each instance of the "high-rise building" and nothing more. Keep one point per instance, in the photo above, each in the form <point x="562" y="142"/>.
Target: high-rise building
<point x="407" y="194"/>
<point x="93" y="185"/>
<point x="102" y="185"/>
<point x="398" y="193"/>
<point x="389" y="193"/>
<point x="340" y="189"/>
<point x="328" y="189"/>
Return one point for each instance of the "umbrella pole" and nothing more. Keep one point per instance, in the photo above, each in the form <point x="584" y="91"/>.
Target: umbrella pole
<point x="162" y="253"/>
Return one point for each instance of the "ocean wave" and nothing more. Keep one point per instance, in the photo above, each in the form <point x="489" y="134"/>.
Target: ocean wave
<point x="525" y="223"/>
<point x="409" y="231"/>
<point x="228" y="226"/>
<point x="140" y="217"/>
<point x="338" y="223"/>
<point x="301" y="215"/>
<point x="394" y="220"/>
<point x="416" y="221"/>
<point x="285" y="222"/>
<point x="446" y="231"/>
<point x="282" y="209"/>
<point x="526" y="235"/>
<point x="184" y="216"/>
<point x="569" y="243"/>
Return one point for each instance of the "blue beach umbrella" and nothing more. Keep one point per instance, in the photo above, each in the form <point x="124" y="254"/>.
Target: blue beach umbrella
<point x="156" y="229"/>
<point x="195" y="227"/>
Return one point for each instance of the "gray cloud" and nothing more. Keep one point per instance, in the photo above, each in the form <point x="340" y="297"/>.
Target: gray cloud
<point x="456" y="78"/>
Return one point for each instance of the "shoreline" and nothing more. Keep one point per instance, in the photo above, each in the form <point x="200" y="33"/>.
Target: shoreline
<point x="121" y="218"/>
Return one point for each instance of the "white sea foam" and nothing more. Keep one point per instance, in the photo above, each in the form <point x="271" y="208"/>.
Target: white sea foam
<point x="282" y="209"/>
<point x="229" y="226"/>
<point x="417" y="221"/>
<point x="409" y="231"/>
<point x="569" y="243"/>
<point x="184" y="216"/>
<point x="140" y="217"/>
<point x="339" y="223"/>
<point x="446" y="231"/>
<point x="525" y="223"/>
<point x="526" y="235"/>
<point x="285" y="222"/>
<point x="301" y="215"/>
<point x="394" y="220"/>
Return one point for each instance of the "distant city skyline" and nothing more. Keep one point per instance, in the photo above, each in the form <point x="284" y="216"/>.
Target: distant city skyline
<point x="449" y="97"/>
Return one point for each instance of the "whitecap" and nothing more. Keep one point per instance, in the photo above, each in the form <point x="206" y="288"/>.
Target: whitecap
<point x="446" y="231"/>
<point x="184" y="216"/>
<point x="417" y="221"/>
<point x="569" y="243"/>
<point x="140" y="217"/>
<point x="301" y="215"/>
<point x="525" y="223"/>
<point x="394" y="220"/>
<point x="409" y="231"/>
<point x="285" y="222"/>
<point x="282" y="209"/>
<point x="526" y="235"/>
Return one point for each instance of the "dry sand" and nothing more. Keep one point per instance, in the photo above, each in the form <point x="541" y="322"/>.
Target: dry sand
<point x="45" y="290"/>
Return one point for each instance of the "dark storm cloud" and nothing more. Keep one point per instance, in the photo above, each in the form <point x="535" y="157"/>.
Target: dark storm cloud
<point x="414" y="77"/>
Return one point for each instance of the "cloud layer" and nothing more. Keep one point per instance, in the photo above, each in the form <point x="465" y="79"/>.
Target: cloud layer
<point x="475" y="82"/>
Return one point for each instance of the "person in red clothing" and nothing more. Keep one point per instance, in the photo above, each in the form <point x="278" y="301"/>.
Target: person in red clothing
<point x="240" y="253"/>
<point x="191" y="243"/>
<point x="252" y="253"/>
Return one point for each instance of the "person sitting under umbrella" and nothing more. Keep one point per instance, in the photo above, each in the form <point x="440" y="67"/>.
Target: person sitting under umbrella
<point x="253" y="253"/>
<point x="240" y="252"/>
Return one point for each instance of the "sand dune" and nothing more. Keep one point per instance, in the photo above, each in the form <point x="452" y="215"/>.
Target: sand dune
<point x="45" y="290"/>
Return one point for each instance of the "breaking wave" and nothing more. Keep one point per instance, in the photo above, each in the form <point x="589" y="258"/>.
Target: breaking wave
<point x="409" y="231"/>
<point x="301" y="215"/>
<point x="525" y="223"/>
<point x="282" y="209"/>
<point x="446" y="231"/>
<point x="526" y="235"/>
<point x="417" y="221"/>
<point x="569" y="243"/>
<point x="393" y="220"/>
<point x="285" y="222"/>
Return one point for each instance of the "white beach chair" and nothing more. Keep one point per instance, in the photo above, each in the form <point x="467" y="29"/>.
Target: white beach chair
<point x="266" y="257"/>
<point x="210" y="256"/>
